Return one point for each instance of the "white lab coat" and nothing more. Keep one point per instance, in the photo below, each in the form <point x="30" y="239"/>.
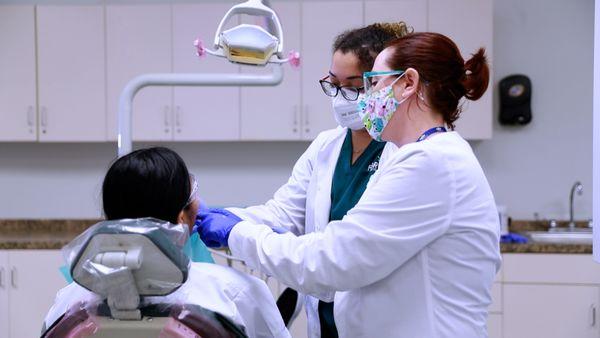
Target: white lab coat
<point x="243" y="298"/>
<point x="416" y="257"/>
<point x="303" y="204"/>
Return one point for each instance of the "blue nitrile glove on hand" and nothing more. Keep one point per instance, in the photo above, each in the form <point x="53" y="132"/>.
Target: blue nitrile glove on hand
<point x="513" y="238"/>
<point x="214" y="226"/>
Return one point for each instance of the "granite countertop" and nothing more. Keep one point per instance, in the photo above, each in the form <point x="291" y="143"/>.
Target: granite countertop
<point x="40" y="234"/>
<point x="54" y="234"/>
<point x="523" y="226"/>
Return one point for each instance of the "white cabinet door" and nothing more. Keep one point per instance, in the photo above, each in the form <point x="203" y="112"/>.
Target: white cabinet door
<point x="550" y="311"/>
<point x="34" y="282"/>
<point x="494" y="325"/>
<point x="17" y="74"/>
<point x="138" y="41"/>
<point x="71" y="73"/>
<point x="273" y="113"/>
<point x="446" y="17"/>
<point x="4" y="286"/>
<point x="203" y="113"/>
<point x="299" y="327"/>
<point x="321" y="23"/>
<point x="412" y="12"/>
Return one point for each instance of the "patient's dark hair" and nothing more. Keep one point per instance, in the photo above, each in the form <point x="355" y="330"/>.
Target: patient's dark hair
<point x="152" y="182"/>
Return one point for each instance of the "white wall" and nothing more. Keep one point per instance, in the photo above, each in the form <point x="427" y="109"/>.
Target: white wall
<point x="530" y="168"/>
<point x="64" y="180"/>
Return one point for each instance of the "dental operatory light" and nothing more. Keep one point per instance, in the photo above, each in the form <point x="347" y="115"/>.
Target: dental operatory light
<point x="250" y="44"/>
<point x="243" y="44"/>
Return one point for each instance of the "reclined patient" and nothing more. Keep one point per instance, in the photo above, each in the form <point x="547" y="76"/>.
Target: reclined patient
<point x="155" y="182"/>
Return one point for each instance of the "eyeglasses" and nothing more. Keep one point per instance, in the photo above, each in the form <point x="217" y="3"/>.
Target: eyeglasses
<point x="331" y="89"/>
<point x="371" y="79"/>
<point x="194" y="192"/>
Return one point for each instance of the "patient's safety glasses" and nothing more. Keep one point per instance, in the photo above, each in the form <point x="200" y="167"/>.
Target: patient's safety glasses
<point x="194" y="192"/>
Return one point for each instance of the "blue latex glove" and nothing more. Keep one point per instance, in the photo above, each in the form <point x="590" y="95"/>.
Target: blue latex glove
<point x="513" y="238"/>
<point x="214" y="226"/>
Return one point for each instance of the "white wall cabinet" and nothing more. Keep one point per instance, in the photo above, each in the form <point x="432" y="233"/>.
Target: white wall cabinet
<point x="494" y="325"/>
<point x="203" y="113"/>
<point x="71" y="73"/>
<point x="29" y="280"/>
<point x="445" y="17"/>
<point x="86" y="54"/>
<point x="318" y="33"/>
<point x="412" y="12"/>
<point x="4" y="289"/>
<point x="17" y="74"/>
<point x="550" y="295"/>
<point x="138" y="41"/>
<point x="273" y="113"/>
<point x="551" y="311"/>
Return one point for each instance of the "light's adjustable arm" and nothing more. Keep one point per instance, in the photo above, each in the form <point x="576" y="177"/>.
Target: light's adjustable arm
<point x="124" y="141"/>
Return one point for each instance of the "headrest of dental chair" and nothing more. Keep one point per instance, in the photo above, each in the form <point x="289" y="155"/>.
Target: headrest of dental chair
<point x="145" y="253"/>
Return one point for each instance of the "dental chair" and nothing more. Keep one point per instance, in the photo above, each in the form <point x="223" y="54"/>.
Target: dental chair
<point x="123" y="262"/>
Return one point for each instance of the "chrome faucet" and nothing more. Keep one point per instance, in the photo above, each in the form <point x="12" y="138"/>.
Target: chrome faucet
<point x="577" y="187"/>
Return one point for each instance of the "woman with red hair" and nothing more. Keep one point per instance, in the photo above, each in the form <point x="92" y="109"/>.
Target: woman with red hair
<point x="417" y="255"/>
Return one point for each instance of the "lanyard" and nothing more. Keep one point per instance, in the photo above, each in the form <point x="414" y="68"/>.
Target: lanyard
<point x="430" y="132"/>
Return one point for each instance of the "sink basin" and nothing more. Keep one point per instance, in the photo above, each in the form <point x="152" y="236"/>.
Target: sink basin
<point x="577" y="236"/>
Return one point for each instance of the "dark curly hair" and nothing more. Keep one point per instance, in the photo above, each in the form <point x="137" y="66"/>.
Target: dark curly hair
<point x="367" y="42"/>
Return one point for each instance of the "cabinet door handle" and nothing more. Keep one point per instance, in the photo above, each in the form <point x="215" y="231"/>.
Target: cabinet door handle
<point x="178" y="118"/>
<point x="295" y="112"/>
<point x="30" y="116"/>
<point x="13" y="277"/>
<point x="2" y="277"/>
<point x="306" y="121"/>
<point x="593" y="315"/>
<point x="167" y="117"/>
<point x="44" y="117"/>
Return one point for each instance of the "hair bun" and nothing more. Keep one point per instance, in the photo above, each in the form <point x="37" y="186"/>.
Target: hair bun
<point x="477" y="75"/>
<point x="395" y="29"/>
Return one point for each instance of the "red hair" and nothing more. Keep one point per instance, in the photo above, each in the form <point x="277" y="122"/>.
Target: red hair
<point x="445" y="76"/>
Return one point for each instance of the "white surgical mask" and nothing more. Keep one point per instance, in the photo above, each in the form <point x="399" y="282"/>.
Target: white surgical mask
<point x="346" y="112"/>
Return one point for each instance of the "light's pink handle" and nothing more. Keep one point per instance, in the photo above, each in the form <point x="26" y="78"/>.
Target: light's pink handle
<point x="200" y="51"/>
<point x="294" y="59"/>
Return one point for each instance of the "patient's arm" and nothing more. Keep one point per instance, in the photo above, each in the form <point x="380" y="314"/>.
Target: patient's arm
<point x="259" y="310"/>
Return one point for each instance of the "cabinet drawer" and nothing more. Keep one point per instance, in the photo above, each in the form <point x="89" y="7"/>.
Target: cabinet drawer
<point x="494" y="326"/>
<point x="550" y="269"/>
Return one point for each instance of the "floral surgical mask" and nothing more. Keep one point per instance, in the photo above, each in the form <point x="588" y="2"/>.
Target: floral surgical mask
<point x="377" y="108"/>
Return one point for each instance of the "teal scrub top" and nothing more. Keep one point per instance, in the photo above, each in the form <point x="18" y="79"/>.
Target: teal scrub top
<point x="350" y="180"/>
<point x="349" y="183"/>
